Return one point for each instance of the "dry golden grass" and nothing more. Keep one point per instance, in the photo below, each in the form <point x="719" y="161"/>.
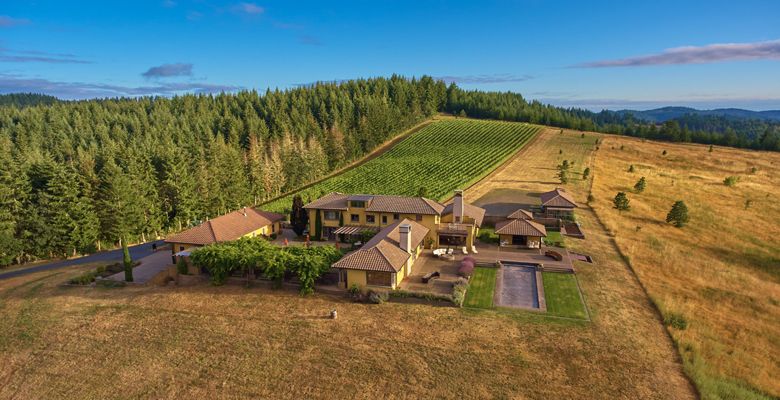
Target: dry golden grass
<point x="220" y="342"/>
<point x="721" y="271"/>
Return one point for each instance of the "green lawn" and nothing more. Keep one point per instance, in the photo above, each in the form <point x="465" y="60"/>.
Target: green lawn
<point x="481" y="287"/>
<point x="554" y="237"/>
<point x="562" y="295"/>
<point x="488" y="235"/>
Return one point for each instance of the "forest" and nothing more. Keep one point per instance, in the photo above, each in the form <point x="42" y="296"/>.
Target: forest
<point x="78" y="176"/>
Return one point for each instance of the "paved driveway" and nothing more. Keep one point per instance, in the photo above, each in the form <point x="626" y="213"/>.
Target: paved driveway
<point x="150" y="266"/>
<point x="136" y="252"/>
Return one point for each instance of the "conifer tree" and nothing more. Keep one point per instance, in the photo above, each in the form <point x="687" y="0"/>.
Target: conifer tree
<point x="621" y="202"/>
<point x="127" y="262"/>
<point x="678" y="215"/>
<point x="639" y="187"/>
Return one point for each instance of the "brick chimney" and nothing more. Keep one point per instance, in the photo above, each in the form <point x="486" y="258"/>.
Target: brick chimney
<point x="406" y="238"/>
<point x="457" y="206"/>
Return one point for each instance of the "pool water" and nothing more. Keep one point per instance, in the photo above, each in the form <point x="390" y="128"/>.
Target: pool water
<point x="518" y="288"/>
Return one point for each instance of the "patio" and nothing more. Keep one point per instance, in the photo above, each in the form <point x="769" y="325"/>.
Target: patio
<point x="427" y="262"/>
<point x="491" y="254"/>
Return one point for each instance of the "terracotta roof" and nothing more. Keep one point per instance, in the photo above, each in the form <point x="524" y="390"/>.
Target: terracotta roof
<point x="521" y="214"/>
<point x="520" y="227"/>
<point x="558" y="198"/>
<point x="383" y="251"/>
<point x="230" y="226"/>
<point x="379" y="203"/>
<point x="476" y="213"/>
<point x="331" y="201"/>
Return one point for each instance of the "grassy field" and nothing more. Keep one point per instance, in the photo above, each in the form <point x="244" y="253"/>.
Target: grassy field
<point x="481" y="288"/>
<point x="562" y="295"/>
<point x="441" y="157"/>
<point x="625" y="326"/>
<point x="717" y="278"/>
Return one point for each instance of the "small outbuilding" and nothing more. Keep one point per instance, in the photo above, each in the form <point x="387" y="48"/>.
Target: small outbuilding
<point x="521" y="233"/>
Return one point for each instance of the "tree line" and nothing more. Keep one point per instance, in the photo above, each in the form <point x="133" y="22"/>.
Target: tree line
<point x="76" y="176"/>
<point x="727" y="131"/>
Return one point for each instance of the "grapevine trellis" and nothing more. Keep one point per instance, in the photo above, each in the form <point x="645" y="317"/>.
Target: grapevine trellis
<point x="441" y="157"/>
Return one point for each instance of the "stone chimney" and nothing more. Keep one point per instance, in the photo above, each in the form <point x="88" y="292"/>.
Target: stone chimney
<point x="244" y="211"/>
<point x="406" y="238"/>
<point x="457" y="207"/>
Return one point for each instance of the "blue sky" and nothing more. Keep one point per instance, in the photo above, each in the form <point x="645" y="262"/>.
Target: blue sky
<point x="629" y="54"/>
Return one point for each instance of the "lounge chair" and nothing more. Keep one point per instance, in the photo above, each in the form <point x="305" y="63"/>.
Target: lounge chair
<point x="465" y="250"/>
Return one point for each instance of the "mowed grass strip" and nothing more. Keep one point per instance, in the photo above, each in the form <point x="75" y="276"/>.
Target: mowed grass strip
<point x="562" y="295"/>
<point x="442" y="157"/>
<point x="481" y="288"/>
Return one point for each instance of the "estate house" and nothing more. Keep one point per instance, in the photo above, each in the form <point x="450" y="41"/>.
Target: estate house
<point x="345" y="217"/>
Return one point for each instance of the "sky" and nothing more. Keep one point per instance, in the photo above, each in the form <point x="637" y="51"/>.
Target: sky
<point x="589" y="54"/>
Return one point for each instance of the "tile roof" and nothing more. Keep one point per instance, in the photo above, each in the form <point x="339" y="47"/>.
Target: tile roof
<point x="520" y="227"/>
<point x="383" y="251"/>
<point x="379" y="203"/>
<point x="230" y="226"/>
<point x="557" y="198"/>
<point x="476" y="213"/>
<point x="521" y="214"/>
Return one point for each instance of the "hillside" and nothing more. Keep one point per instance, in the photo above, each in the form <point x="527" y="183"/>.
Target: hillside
<point x="716" y="280"/>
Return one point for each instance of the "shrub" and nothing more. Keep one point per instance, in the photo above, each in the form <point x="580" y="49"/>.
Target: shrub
<point x="664" y="153"/>
<point x="377" y="297"/>
<point x="676" y="321"/>
<point x="459" y="290"/>
<point x="181" y="266"/>
<point x="586" y="173"/>
<point x="731" y="180"/>
<point x="631" y="168"/>
<point x="84" y="279"/>
<point x="100" y="270"/>
<point x="109" y="283"/>
<point x="273" y="236"/>
<point x="591" y="198"/>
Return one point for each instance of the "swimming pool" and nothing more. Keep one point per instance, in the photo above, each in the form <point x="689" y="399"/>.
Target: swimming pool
<point x="519" y="286"/>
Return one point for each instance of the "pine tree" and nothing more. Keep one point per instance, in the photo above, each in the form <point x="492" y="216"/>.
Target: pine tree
<point x="127" y="262"/>
<point x="631" y="168"/>
<point x="299" y="216"/>
<point x="678" y="215"/>
<point x="621" y="202"/>
<point x="640" y="185"/>
<point x="317" y="225"/>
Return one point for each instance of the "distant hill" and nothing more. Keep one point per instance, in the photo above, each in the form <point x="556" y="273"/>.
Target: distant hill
<point x="26" y="99"/>
<point x="668" y="113"/>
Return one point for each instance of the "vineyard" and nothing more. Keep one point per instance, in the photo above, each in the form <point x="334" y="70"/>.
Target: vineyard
<point x="442" y="157"/>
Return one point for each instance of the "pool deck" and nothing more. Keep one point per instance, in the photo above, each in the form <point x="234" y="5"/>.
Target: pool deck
<point x="492" y="254"/>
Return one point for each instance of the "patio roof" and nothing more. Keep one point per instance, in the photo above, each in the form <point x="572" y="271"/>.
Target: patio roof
<point x="355" y="229"/>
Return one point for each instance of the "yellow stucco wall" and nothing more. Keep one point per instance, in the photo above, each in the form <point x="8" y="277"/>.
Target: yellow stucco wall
<point x="356" y="277"/>
<point x="429" y="221"/>
<point x="536" y="240"/>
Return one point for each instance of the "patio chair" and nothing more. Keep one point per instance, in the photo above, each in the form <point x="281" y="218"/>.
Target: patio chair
<point x="465" y="250"/>
<point x="450" y="252"/>
<point x="474" y="250"/>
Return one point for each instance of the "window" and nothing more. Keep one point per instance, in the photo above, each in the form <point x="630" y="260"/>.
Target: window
<point x="418" y="217"/>
<point x="354" y="217"/>
<point x="331" y="215"/>
<point x="384" y="219"/>
<point x="181" y="248"/>
<point x="358" y="203"/>
<point x="376" y="278"/>
<point x="370" y="219"/>
<point x="396" y="217"/>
